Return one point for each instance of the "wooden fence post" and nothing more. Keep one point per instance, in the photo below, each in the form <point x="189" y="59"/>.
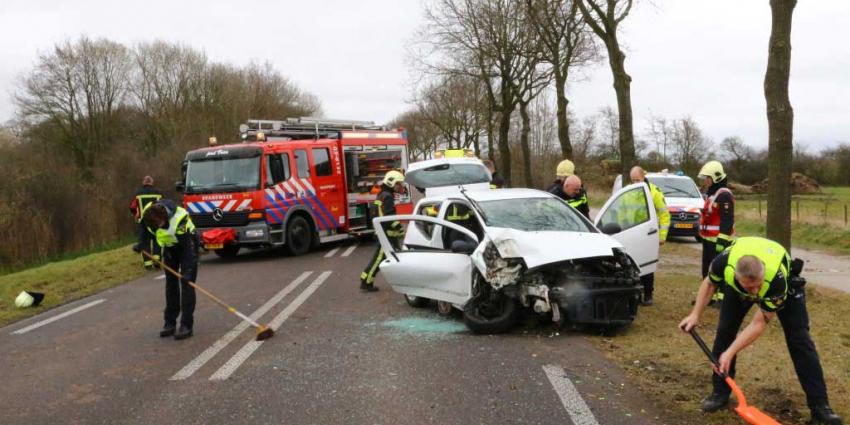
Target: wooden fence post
<point x="759" y="207"/>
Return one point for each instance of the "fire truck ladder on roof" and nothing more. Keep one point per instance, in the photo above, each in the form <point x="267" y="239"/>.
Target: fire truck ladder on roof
<point x="302" y="128"/>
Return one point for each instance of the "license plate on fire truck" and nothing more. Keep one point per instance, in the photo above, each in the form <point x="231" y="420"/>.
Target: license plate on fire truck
<point x="683" y="225"/>
<point x="214" y="246"/>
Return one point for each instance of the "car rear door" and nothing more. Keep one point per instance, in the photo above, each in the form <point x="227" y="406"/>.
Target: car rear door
<point x="629" y="217"/>
<point x="426" y="272"/>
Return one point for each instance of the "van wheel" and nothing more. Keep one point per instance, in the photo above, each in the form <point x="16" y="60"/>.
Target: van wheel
<point x="490" y="314"/>
<point x="229" y="251"/>
<point x="299" y="236"/>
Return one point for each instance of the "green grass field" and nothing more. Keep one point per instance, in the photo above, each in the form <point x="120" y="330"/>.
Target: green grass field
<point x="826" y="208"/>
<point x="68" y="280"/>
<point x="669" y="367"/>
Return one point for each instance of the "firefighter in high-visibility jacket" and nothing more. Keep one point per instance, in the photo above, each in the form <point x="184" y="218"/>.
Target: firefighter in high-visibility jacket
<point x="717" y="224"/>
<point x="638" y="175"/>
<point x="384" y="205"/>
<point x="172" y="229"/>
<point x="145" y="196"/>
<point x="759" y="271"/>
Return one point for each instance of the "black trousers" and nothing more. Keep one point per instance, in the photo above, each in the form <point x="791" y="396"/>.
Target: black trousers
<point x="148" y="244"/>
<point x="648" y="283"/>
<point x="371" y="270"/>
<point x="795" y="324"/>
<point x="179" y="295"/>
<point x="709" y="252"/>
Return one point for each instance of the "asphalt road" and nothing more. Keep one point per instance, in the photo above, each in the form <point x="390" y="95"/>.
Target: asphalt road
<point x="339" y="357"/>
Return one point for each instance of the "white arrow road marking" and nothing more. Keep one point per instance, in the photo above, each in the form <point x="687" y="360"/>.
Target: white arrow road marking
<point x="570" y="397"/>
<point x="225" y="371"/>
<point x="57" y="317"/>
<point x="349" y="250"/>
<point x="331" y="252"/>
<point x="217" y="346"/>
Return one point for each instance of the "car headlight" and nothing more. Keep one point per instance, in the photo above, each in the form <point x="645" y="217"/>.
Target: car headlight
<point x="255" y="233"/>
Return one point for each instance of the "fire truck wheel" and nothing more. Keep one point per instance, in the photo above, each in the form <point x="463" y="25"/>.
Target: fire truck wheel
<point x="229" y="251"/>
<point x="299" y="236"/>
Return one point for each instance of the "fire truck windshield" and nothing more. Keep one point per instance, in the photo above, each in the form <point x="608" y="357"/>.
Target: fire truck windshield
<point x="216" y="175"/>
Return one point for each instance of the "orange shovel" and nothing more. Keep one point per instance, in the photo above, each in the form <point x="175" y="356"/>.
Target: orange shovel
<point x="749" y="413"/>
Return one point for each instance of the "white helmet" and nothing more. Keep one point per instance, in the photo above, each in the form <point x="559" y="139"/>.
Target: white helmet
<point x="24" y="300"/>
<point x="393" y="177"/>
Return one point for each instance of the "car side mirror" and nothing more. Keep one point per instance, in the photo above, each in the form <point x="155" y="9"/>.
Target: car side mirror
<point x="610" y="228"/>
<point x="179" y="186"/>
<point x="464" y="246"/>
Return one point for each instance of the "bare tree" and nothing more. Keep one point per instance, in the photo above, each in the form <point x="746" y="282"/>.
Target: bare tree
<point x="603" y="17"/>
<point x="691" y="146"/>
<point x="565" y="42"/>
<point x="487" y="39"/>
<point x="455" y="104"/>
<point x="77" y="89"/>
<point x="608" y="124"/>
<point x="422" y="134"/>
<point x="660" y="132"/>
<point x="780" y="122"/>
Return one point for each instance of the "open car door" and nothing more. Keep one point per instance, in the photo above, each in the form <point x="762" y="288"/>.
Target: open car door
<point x="629" y="217"/>
<point x="421" y="271"/>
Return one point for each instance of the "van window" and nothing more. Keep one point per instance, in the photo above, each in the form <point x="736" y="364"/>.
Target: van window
<point x="301" y="163"/>
<point x="322" y="162"/>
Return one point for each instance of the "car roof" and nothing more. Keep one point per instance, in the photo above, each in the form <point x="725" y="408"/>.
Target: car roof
<point x="493" y="195"/>
<point x="440" y="161"/>
<point x="668" y="175"/>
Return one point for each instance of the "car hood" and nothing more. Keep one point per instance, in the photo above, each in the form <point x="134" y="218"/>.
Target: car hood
<point x="540" y="248"/>
<point x="684" y="204"/>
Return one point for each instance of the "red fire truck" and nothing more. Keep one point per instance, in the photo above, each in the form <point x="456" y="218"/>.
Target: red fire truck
<point x="294" y="183"/>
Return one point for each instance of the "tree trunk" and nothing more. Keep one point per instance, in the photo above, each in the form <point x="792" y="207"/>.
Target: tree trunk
<point x="622" y="86"/>
<point x="780" y="122"/>
<point x="504" y="144"/>
<point x="523" y="140"/>
<point x="490" y="149"/>
<point x="563" y="121"/>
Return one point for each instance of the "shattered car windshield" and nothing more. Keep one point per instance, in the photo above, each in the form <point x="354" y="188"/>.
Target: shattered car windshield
<point x="533" y="214"/>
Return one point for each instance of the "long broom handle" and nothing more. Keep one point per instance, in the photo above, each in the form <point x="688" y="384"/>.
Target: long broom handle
<point x="203" y="291"/>
<point x="742" y="401"/>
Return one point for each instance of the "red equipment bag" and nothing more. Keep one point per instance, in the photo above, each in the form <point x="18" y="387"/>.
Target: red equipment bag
<point x="217" y="238"/>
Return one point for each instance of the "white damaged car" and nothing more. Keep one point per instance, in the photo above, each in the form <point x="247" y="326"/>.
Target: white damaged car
<point x="490" y="253"/>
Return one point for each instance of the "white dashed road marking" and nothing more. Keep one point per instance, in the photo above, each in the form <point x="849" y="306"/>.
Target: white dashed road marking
<point x="331" y="252"/>
<point x="57" y="317"/>
<point x="210" y="352"/>
<point x="570" y="397"/>
<point x="349" y="250"/>
<point x="225" y="371"/>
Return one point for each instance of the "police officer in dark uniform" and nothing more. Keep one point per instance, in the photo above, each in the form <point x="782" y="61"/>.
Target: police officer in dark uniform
<point x="572" y="192"/>
<point x="384" y="205"/>
<point x="172" y="229"/>
<point x="759" y="271"/>
<point x="144" y="197"/>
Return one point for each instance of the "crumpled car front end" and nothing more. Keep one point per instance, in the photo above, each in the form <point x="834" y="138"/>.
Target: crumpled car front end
<point x="580" y="279"/>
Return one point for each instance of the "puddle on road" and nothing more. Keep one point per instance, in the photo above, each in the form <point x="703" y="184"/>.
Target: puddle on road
<point x="426" y="327"/>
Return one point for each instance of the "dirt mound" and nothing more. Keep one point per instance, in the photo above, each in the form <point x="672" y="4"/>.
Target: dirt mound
<point x="740" y="188"/>
<point x="800" y="184"/>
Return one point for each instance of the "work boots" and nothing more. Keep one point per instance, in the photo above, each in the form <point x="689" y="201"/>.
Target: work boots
<point x="367" y="287"/>
<point x="715" y="402"/>
<point x="823" y="414"/>
<point x="647" y="300"/>
<point x="167" y="330"/>
<point x="183" y="333"/>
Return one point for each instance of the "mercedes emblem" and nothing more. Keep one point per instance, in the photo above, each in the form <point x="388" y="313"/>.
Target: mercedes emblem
<point x="218" y="214"/>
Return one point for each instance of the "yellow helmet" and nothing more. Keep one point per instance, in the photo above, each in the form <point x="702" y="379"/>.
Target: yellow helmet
<point x="393" y="177"/>
<point x="565" y="168"/>
<point x="714" y="170"/>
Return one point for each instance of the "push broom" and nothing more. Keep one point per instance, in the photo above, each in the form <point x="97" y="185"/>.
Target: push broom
<point x="263" y="332"/>
<point x="749" y="413"/>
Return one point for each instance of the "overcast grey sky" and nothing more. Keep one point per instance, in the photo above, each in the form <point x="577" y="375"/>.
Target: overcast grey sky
<point x="686" y="57"/>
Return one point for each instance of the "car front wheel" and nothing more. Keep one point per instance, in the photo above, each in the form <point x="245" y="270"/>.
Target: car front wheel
<point x="492" y="314"/>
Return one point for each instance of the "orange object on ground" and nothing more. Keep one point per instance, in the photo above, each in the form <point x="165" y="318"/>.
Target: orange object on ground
<point x="748" y="413"/>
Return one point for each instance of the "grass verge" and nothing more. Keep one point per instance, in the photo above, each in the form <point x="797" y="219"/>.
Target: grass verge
<point x="822" y="237"/>
<point x="670" y="369"/>
<point x="66" y="281"/>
